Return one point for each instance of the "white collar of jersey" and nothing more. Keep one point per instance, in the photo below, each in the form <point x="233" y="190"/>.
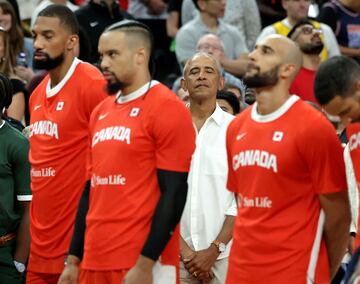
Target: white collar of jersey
<point x="276" y="114"/>
<point x="136" y="94"/>
<point x="52" y="92"/>
<point x="2" y="124"/>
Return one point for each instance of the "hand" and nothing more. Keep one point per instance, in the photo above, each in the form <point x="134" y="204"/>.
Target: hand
<point x="156" y="7"/>
<point x="141" y="273"/>
<point x="70" y="274"/>
<point x="202" y="262"/>
<point x="24" y="73"/>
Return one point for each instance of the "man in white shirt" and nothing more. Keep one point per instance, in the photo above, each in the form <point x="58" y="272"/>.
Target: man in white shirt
<point x="210" y="210"/>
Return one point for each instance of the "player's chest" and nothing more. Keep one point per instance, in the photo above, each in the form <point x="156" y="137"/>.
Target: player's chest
<point x="271" y="148"/>
<point x="122" y="128"/>
<point x="56" y="118"/>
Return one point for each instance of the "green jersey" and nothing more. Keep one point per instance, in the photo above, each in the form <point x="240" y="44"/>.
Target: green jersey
<point x="14" y="177"/>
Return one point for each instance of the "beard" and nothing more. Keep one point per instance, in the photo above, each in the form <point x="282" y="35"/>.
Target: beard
<point x="312" y="48"/>
<point x="48" y="63"/>
<point x="113" y="87"/>
<point x="261" y="80"/>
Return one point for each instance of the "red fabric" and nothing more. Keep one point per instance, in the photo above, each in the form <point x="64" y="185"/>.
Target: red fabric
<point x="129" y="142"/>
<point x="41" y="278"/>
<point x="298" y="158"/>
<point x="303" y="85"/>
<point x="58" y="152"/>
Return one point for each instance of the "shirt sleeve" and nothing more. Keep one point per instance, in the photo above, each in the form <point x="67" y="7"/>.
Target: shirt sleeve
<point x="21" y="169"/>
<point x="174" y="136"/>
<point x="185" y="44"/>
<point x="330" y="40"/>
<point x="269" y="30"/>
<point x="252" y="23"/>
<point x="322" y="152"/>
<point x="328" y="16"/>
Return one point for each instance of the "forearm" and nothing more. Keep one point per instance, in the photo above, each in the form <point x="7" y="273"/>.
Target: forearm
<point x="336" y="208"/>
<point x="236" y="67"/>
<point x="185" y="250"/>
<point x="352" y="52"/>
<point x="23" y="236"/>
<point x="172" y="24"/>
<point x="77" y="242"/>
<point x="173" y="186"/>
<point x="225" y="234"/>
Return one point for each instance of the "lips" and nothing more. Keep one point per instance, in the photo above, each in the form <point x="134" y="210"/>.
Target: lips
<point x="201" y="85"/>
<point x="108" y="75"/>
<point x="40" y="55"/>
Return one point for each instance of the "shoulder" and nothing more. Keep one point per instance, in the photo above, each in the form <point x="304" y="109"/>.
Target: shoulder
<point x="16" y="138"/>
<point x="88" y="71"/>
<point x="238" y="120"/>
<point x="325" y="28"/>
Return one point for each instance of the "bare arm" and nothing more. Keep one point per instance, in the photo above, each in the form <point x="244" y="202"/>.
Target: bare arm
<point x="172" y="24"/>
<point x="352" y="52"/>
<point x="17" y="108"/>
<point x="336" y="228"/>
<point x="236" y="67"/>
<point x="23" y="235"/>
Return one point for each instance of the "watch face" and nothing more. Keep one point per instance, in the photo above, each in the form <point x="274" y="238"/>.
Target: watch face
<point x="222" y="247"/>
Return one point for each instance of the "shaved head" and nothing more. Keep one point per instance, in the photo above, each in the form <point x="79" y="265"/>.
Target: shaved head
<point x="288" y="50"/>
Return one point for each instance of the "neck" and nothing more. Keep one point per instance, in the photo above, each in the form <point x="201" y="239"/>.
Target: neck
<point x="140" y="80"/>
<point x="58" y="73"/>
<point x="292" y="21"/>
<point x="311" y="62"/>
<point x="201" y="111"/>
<point x="209" y="21"/>
<point x="270" y="99"/>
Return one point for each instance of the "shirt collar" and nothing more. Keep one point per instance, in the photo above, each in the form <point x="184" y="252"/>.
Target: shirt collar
<point x="217" y="115"/>
<point x="50" y="92"/>
<point x="136" y="94"/>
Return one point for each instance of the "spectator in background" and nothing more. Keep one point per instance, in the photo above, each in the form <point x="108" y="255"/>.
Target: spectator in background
<point x="297" y="10"/>
<point x="94" y="17"/>
<point x="214" y="46"/>
<point x="208" y="21"/>
<point x="173" y="20"/>
<point x="310" y="44"/>
<point x="153" y="13"/>
<point x="15" y="196"/>
<point x="20" y="96"/>
<point x="271" y="11"/>
<point x="18" y="43"/>
<point x="228" y="102"/>
<point x="343" y="16"/>
<point x="243" y="15"/>
<point x="44" y="3"/>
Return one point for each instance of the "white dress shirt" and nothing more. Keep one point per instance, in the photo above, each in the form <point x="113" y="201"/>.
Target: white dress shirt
<point x="208" y="201"/>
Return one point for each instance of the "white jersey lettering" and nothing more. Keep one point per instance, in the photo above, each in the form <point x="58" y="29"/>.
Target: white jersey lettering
<point x="255" y="158"/>
<point x="118" y="133"/>
<point x="44" y="127"/>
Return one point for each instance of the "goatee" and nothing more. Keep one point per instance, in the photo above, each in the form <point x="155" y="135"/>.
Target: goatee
<point x="48" y="63"/>
<point x="265" y="79"/>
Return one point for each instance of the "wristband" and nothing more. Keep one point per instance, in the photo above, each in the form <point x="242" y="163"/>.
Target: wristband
<point x="20" y="267"/>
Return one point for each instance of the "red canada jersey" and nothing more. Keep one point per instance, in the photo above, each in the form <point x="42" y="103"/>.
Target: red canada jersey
<point x="278" y="165"/>
<point x="59" y="136"/>
<point x="353" y="135"/>
<point x="132" y="137"/>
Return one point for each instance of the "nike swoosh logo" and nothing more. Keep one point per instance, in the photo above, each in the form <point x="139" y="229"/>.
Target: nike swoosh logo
<point x="240" y="136"/>
<point x="102" y="116"/>
<point x="37" y="107"/>
<point x="94" y="24"/>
